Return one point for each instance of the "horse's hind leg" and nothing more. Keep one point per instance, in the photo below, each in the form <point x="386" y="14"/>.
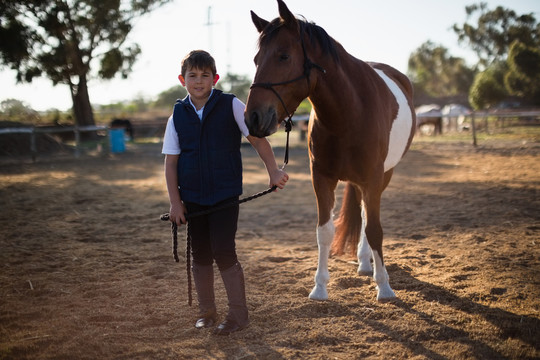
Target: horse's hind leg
<point x="364" y="251"/>
<point x="374" y="233"/>
<point x="324" y="191"/>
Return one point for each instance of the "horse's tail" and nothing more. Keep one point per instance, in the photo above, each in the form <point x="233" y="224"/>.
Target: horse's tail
<point x="348" y="224"/>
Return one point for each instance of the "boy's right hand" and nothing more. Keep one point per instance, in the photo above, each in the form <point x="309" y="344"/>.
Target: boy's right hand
<point x="177" y="214"/>
<point x="278" y="178"/>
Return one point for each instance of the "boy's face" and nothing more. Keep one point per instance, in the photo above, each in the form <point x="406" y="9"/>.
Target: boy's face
<point x="199" y="82"/>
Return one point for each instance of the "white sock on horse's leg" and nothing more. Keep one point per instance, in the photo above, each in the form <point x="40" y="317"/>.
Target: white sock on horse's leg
<point x="364" y="257"/>
<point x="384" y="291"/>
<point x="364" y="251"/>
<point x="325" y="234"/>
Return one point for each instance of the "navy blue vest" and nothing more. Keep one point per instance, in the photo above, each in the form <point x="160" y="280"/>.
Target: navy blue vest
<point x="210" y="162"/>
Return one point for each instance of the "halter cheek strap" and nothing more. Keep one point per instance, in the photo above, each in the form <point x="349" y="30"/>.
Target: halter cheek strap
<point x="308" y="65"/>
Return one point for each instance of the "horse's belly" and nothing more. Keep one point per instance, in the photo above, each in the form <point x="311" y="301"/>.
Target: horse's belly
<point x="401" y="127"/>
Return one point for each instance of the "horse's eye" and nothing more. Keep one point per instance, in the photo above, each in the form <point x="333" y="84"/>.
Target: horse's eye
<point x="284" y="57"/>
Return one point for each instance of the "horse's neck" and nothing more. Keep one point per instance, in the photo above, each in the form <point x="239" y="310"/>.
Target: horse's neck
<point x="339" y="87"/>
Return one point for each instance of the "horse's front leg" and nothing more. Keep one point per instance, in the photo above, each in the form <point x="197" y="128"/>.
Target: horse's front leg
<point x="324" y="191"/>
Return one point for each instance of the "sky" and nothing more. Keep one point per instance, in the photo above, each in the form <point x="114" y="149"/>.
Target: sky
<point x="385" y="31"/>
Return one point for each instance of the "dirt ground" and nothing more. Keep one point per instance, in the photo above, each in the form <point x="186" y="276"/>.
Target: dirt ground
<point x="87" y="270"/>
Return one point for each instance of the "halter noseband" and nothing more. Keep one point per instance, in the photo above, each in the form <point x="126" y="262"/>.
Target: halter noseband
<point x="308" y="65"/>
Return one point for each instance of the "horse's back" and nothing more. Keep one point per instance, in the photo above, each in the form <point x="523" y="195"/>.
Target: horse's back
<point x="403" y="125"/>
<point x="401" y="79"/>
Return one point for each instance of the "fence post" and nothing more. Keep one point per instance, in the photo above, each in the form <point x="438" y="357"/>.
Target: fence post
<point x="33" y="147"/>
<point x="108" y="141"/>
<point x="473" y="126"/>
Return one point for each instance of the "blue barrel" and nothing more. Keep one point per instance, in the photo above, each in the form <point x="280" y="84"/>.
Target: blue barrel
<point x="116" y="137"/>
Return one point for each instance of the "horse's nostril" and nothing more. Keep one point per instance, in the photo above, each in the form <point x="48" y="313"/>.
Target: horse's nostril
<point x="254" y="120"/>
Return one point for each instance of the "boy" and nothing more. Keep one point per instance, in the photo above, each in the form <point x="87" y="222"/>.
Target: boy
<point x="203" y="168"/>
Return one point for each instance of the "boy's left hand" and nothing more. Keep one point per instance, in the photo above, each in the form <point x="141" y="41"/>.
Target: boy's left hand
<point x="278" y="178"/>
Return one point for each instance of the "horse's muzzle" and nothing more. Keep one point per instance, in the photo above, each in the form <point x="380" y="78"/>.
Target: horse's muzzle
<point x="261" y="124"/>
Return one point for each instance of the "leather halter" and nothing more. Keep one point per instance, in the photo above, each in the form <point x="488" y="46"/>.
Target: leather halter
<point x="308" y="65"/>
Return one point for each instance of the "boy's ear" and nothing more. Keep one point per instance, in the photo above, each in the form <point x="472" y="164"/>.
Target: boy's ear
<point x="182" y="80"/>
<point x="216" y="78"/>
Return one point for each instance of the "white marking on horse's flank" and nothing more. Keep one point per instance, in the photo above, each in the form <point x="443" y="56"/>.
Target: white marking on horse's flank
<point x="401" y="127"/>
<point x="325" y="234"/>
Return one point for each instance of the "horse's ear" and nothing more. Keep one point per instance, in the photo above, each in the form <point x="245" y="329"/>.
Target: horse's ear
<point x="260" y="24"/>
<point x="287" y="16"/>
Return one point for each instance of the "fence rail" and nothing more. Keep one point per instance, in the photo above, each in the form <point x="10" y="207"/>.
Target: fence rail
<point x="473" y="118"/>
<point x="33" y="131"/>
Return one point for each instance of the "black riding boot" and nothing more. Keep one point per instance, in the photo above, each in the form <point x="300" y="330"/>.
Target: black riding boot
<point x="237" y="318"/>
<point x="204" y="283"/>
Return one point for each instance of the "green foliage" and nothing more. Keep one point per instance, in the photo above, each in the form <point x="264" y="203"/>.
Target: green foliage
<point x="124" y="108"/>
<point x="508" y="48"/>
<point x="436" y="73"/>
<point x="167" y="98"/>
<point x="304" y="108"/>
<point x="65" y="40"/>
<point x="235" y="84"/>
<point x="115" y="60"/>
<point x="495" y="31"/>
<point x="16" y="111"/>
<point x="488" y="87"/>
<point x="523" y="76"/>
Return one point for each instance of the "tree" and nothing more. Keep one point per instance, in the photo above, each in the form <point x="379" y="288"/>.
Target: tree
<point x="231" y="83"/>
<point x="488" y="86"/>
<point x="508" y="49"/>
<point x="167" y="98"/>
<point x="235" y="84"/>
<point x="523" y="76"/>
<point x="17" y="111"/>
<point x="495" y="31"/>
<point x="65" y="39"/>
<point x="436" y="73"/>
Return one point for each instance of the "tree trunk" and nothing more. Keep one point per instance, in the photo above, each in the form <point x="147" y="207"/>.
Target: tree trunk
<point x="81" y="103"/>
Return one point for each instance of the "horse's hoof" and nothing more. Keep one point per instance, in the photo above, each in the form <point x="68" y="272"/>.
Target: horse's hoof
<point x="318" y="293"/>
<point x="365" y="272"/>
<point x="386" y="300"/>
<point x="365" y="268"/>
<point x="385" y="293"/>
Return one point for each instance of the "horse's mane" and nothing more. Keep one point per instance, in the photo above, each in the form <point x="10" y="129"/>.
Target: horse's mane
<point x="315" y="33"/>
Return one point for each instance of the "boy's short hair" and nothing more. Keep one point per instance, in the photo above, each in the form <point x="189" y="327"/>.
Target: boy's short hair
<point x="198" y="59"/>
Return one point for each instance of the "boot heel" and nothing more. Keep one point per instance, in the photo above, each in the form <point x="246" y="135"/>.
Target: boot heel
<point x="207" y="320"/>
<point x="227" y="327"/>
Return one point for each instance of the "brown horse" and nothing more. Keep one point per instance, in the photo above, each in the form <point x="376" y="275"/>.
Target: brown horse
<point x="361" y="125"/>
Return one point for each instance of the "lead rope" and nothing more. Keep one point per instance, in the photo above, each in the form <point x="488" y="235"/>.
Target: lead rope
<point x="174" y="226"/>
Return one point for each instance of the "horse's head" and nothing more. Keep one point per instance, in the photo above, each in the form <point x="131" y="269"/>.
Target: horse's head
<point x="281" y="63"/>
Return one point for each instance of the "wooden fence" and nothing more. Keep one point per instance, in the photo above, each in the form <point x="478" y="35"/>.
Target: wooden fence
<point x="480" y="120"/>
<point x="34" y="131"/>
